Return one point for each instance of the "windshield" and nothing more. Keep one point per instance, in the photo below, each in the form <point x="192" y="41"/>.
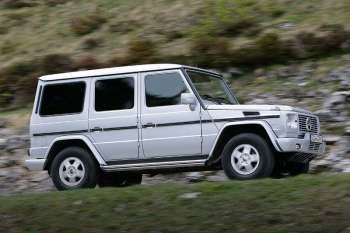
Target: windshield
<point x="212" y="89"/>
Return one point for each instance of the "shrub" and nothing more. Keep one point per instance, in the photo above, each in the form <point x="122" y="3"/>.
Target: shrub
<point x="271" y="48"/>
<point x="17" y="83"/>
<point x="90" y="43"/>
<point x="88" y="23"/>
<point x="124" y="26"/>
<point x="15" y="4"/>
<point x="56" y="63"/>
<point x="335" y="36"/>
<point x="211" y="52"/>
<point x="87" y="62"/>
<point x="267" y="49"/>
<point x="239" y="25"/>
<point x="330" y="39"/>
<point x="55" y="2"/>
<point x="140" y="51"/>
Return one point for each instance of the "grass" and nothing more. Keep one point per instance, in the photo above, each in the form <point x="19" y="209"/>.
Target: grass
<point x="42" y="29"/>
<point x="302" y="204"/>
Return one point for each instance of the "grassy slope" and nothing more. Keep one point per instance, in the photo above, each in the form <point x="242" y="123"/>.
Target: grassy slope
<point x="302" y="204"/>
<point x="35" y="31"/>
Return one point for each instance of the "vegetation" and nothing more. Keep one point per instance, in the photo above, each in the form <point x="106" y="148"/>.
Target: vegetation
<point x="302" y="204"/>
<point x="213" y="34"/>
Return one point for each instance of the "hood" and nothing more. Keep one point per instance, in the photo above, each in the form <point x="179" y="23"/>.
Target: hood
<point x="247" y="107"/>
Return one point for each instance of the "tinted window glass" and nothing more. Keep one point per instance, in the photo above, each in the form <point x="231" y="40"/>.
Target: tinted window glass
<point x="114" y="94"/>
<point x="164" y="89"/>
<point x="66" y="98"/>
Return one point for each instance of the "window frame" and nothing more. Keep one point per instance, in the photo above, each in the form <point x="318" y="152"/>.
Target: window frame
<point x="109" y="77"/>
<point x="219" y="76"/>
<point x="178" y="71"/>
<point x="62" y="83"/>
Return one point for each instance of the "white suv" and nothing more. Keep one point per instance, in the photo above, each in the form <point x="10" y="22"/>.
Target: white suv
<point x="110" y="126"/>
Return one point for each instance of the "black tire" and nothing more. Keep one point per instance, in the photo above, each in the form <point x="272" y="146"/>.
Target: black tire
<point x="89" y="180"/>
<point x="266" y="164"/>
<point x="298" y="168"/>
<point x="116" y="179"/>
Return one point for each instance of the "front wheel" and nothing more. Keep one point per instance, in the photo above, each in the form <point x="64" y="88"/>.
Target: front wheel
<point x="247" y="156"/>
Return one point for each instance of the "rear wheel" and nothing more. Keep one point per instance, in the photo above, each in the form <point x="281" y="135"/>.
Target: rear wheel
<point x="247" y="156"/>
<point x="73" y="168"/>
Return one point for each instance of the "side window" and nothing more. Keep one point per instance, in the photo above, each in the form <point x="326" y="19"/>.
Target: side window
<point x="65" y="98"/>
<point x="114" y="94"/>
<point x="164" y="89"/>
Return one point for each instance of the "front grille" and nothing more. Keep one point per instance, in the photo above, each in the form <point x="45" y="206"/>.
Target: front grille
<point x="314" y="146"/>
<point x="308" y="124"/>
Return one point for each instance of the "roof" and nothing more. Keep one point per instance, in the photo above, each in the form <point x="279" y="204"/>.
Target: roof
<point x="116" y="71"/>
<point x="110" y="71"/>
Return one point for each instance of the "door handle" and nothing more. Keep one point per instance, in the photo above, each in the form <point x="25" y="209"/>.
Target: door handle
<point x="96" y="129"/>
<point x="149" y="125"/>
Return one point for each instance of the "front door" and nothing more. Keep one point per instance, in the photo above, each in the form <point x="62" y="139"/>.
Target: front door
<point x="169" y="128"/>
<point x="113" y="116"/>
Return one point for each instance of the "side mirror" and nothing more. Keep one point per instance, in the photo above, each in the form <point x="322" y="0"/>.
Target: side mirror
<point x="190" y="99"/>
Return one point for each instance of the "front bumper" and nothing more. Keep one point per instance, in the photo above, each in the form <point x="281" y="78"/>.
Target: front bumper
<point x="35" y="164"/>
<point x="301" y="145"/>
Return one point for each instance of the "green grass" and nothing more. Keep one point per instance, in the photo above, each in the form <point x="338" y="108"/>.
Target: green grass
<point x="303" y="204"/>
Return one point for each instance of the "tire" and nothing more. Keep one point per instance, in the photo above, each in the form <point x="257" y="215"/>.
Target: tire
<point x="119" y="179"/>
<point x="298" y="168"/>
<point x="247" y="156"/>
<point x="73" y="168"/>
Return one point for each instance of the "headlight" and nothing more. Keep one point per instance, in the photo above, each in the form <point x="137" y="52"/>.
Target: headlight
<point x="292" y="121"/>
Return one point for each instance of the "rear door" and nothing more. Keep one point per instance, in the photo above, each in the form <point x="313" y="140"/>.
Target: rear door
<point x="113" y="116"/>
<point x="169" y="128"/>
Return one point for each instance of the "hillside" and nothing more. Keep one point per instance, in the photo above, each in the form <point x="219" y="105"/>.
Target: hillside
<point x="302" y="204"/>
<point x="50" y="36"/>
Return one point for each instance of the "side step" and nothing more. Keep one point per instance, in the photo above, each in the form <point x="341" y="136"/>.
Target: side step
<point x="154" y="165"/>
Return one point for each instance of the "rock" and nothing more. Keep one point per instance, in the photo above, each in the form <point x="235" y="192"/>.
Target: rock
<point x="217" y="176"/>
<point x="303" y="84"/>
<point x="335" y="101"/>
<point x="326" y="115"/>
<point x="331" y="139"/>
<point x="194" y="177"/>
<point x="347" y="130"/>
<point x="286" y="26"/>
<point x="17" y="142"/>
<point x="120" y="207"/>
<point x="344" y="85"/>
<point x="78" y="202"/>
<point x="3" y="123"/>
<point x="4" y="172"/>
<point x="7" y="163"/>
<point x="2" y="144"/>
<point x="193" y="195"/>
<point x="39" y="177"/>
<point x="234" y="71"/>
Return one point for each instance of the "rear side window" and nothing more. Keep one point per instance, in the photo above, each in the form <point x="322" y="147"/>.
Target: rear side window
<point x="114" y="94"/>
<point x="164" y="89"/>
<point x="65" y="98"/>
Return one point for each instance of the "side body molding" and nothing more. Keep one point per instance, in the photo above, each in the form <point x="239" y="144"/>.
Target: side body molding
<point x="262" y="123"/>
<point x="83" y="138"/>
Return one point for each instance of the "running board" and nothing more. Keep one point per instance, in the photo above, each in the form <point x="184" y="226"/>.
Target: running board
<point x="154" y="165"/>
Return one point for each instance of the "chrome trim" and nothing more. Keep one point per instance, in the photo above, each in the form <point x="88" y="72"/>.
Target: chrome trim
<point x="154" y="165"/>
